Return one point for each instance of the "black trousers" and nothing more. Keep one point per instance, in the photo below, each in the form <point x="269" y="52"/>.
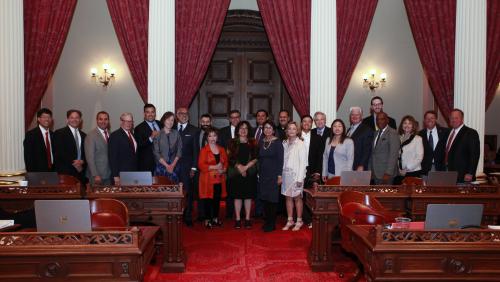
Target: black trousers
<point x="212" y="206"/>
<point x="270" y="210"/>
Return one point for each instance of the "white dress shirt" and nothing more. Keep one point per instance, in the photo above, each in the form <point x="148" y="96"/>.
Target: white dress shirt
<point x="233" y="128"/>
<point x="103" y="134"/>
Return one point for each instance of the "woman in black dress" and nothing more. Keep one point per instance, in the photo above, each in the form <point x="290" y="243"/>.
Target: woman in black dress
<point x="270" y="169"/>
<point x="242" y="172"/>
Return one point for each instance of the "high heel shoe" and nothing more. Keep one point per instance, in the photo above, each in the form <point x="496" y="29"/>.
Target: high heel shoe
<point x="216" y="222"/>
<point x="289" y="224"/>
<point x="298" y="225"/>
<point x="208" y="225"/>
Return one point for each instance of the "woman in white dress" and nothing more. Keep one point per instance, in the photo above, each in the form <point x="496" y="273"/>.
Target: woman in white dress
<point x="294" y="172"/>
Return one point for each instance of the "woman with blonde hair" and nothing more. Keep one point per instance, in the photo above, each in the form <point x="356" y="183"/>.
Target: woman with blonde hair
<point x="411" y="152"/>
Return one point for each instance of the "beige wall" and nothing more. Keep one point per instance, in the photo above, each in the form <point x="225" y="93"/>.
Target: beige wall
<point x="92" y="41"/>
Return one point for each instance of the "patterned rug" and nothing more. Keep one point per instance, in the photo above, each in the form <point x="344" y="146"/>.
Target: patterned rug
<point x="228" y="254"/>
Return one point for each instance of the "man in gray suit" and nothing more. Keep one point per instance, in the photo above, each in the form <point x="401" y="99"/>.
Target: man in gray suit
<point x="96" y="151"/>
<point x="384" y="159"/>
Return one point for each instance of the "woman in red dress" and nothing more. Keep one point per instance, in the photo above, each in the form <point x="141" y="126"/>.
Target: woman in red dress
<point x="212" y="163"/>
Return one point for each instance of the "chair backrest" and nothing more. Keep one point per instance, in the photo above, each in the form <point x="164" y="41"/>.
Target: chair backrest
<point x="358" y="197"/>
<point x="67" y="179"/>
<point x="413" y="181"/>
<point x="333" y="181"/>
<point x="162" y="180"/>
<point x="108" y="214"/>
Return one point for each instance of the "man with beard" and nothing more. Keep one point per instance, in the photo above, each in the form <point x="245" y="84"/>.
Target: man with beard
<point x="377" y="106"/>
<point x="283" y="120"/>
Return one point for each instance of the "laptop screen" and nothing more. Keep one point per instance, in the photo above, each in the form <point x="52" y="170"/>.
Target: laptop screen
<point x="62" y="216"/>
<point x="129" y="178"/>
<point x="454" y="216"/>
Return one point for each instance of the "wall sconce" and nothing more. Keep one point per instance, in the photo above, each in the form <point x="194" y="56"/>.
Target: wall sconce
<point x="369" y="80"/>
<point x="106" y="79"/>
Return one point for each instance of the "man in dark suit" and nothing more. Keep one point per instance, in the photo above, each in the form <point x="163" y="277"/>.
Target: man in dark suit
<point x="362" y="136"/>
<point x="377" y="106"/>
<point x="69" y="148"/>
<point x="321" y="128"/>
<point x="122" y="148"/>
<point x="462" y="148"/>
<point x="38" y="149"/>
<point x="434" y="140"/>
<point x="144" y="134"/>
<point x="188" y="161"/>
<point x="260" y="117"/>
<point x="283" y="120"/>
<point x="227" y="133"/>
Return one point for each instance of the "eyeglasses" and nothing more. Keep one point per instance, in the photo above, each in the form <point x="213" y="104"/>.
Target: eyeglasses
<point x="268" y="127"/>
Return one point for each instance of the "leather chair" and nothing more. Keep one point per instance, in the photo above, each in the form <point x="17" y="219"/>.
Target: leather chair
<point x="369" y="201"/>
<point x="162" y="180"/>
<point x="333" y="181"/>
<point x="108" y="214"/>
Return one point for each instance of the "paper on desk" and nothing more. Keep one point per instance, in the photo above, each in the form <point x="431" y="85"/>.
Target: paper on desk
<point x="6" y="223"/>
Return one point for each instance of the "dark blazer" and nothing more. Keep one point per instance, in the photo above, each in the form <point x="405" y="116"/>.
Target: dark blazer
<point x="370" y="122"/>
<point x="189" y="157"/>
<point x="120" y="153"/>
<point x="315" y="156"/>
<point x="463" y="156"/>
<point x="65" y="152"/>
<point x="225" y="136"/>
<point x="145" y="158"/>
<point x="434" y="154"/>
<point x="35" y="156"/>
<point x="280" y="132"/>
<point x="363" y="144"/>
<point x="326" y="134"/>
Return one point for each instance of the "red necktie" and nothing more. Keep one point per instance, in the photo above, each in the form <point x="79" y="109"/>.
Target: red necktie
<point x="47" y="150"/>
<point x="106" y="134"/>
<point x="448" y="146"/>
<point x="131" y="141"/>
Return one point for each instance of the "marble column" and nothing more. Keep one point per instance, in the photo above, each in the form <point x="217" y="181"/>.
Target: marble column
<point x="324" y="58"/>
<point x="11" y="87"/>
<point x="161" y="55"/>
<point x="470" y="65"/>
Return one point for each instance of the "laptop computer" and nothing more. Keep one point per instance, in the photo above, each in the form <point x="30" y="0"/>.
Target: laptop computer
<point x="351" y="178"/>
<point x="63" y="216"/>
<point x="42" y="178"/>
<point x="441" y="178"/>
<point x="128" y="178"/>
<point x="445" y="216"/>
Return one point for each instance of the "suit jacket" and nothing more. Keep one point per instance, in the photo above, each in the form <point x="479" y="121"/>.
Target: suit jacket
<point x="96" y="152"/>
<point x="189" y="158"/>
<point x="370" y="122"/>
<point x="65" y="152"/>
<point x="438" y="153"/>
<point x="463" y="156"/>
<point x="315" y="155"/>
<point x="225" y="136"/>
<point x="35" y="156"/>
<point x="145" y="157"/>
<point x="280" y="133"/>
<point x="363" y="144"/>
<point x="120" y="153"/>
<point x="384" y="159"/>
<point x="326" y="134"/>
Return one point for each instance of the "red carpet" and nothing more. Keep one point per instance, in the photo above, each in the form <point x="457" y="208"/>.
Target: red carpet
<point x="227" y="254"/>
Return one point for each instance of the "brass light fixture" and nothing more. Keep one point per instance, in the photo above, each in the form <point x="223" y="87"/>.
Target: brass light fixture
<point x="370" y="81"/>
<point x="106" y="78"/>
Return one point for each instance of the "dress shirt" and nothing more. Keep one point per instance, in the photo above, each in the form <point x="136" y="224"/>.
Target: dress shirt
<point x="320" y="131"/>
<point x="307" y="143"/>
<point x="353" y="128"/>
<point x="377" y="135"/>
<point x="435" y="136"/>
<point x="75" y="131"/>
<point x="133" y="139"/>
<point x="233" y="128"/>
<point x="103" y="134"/>
<point x="43" y="130"/>
<point x="181" y="126"/>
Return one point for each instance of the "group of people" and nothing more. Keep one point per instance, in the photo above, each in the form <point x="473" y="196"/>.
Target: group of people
<point x="243" y="164"/>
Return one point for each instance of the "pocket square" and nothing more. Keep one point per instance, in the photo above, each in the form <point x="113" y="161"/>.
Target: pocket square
<point x="187" y="135"/>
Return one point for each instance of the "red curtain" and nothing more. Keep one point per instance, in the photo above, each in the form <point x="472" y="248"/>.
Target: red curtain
<point x="492" y="50"/>
<point x="130" y="19"/>
<point x="288" y="27"/>
<point x="354" y="18"/>
<point x="46" y="25"/>
<point x="198" y="25"/>
<point x="432" y="23"/>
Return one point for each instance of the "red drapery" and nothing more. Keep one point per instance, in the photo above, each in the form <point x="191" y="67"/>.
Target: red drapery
<point x="198" y="25"/>
<point x="288" y="27"/>
<point x="354" y="18"/>
<point x="46" y="25"/>
<point x="492" y="50"/>
<point x="432" y="23"/>
<point x="130" y="19"/>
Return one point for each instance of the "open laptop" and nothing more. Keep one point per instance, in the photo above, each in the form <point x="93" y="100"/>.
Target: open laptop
<point x="42" y="178"/>
<point x="351" y="178"/>
<point x="136" y="178"/>
<point x="63" y="216"/>
<point x="441" y="178"/>
<point x="445" y="216"/>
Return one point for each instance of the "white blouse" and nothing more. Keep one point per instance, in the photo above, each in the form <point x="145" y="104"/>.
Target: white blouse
<point x="412" y="155"/>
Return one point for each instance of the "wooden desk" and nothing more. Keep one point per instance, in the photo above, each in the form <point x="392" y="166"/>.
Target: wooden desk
<point x="418" y="255"/>
<point x="161" y="205"/>
<point x="94" y="256"/>
<point x="412" y="200"/>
